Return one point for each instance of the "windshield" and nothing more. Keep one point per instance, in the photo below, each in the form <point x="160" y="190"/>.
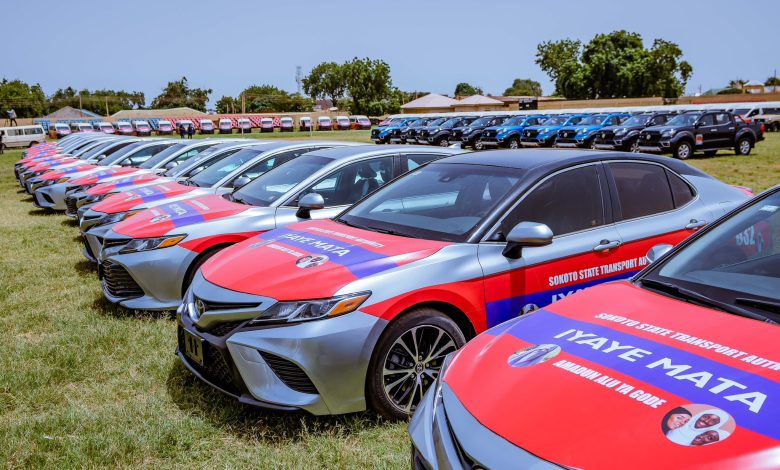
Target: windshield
<point x="481" y="122"/>
<point x="515" y="121"/>
<point x="436" y="202"/>
<point x="142" y="125"/>
<point x="98" y="150"/>
<point x="62" y="127"/>
<point x="452" y="123"/>
<point x="165" y="125"/>
<point x="556" y="121"/>
<point x="179" y="170"/>
<point x="683" y="120"/>
<point x="121" y="154"/>
<point x="211" y="175"/>
<point x="638" y="120"/>
<point x="271" y="186"/>
<point x="206" y="124"/>
<point x="594" y="120"/>
<point x="735" y="262"/>
<point x="740" y="111"/>
<point x="163" y="155"/>
<point x="198" y="164"/>
<point x="124" y="125"/>
<point x="436" y="122"/>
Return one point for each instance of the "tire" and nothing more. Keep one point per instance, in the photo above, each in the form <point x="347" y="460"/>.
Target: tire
<point x="710" y="153"/>
<point x="683" y="150"/>
<point x="396" y="380"/>
<point x="443" y="142"/>
<point x="197" y="264"/>
<point x="634" y="147"/>
<point x="478" y="145"/>
<point x="592" y="145"/>
<point x="513" y="143"/>
<point x="744" y="146"/>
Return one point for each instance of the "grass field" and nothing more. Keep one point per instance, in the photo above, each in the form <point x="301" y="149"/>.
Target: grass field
<point x="86" y="384"/>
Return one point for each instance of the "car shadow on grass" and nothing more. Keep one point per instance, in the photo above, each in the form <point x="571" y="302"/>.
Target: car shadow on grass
<point x="68" y="222"/>
<point x="86" y="267"/>
<point x="104" y="307"/>
<point x="192" y="396"/>
<point x="40" y="212"/>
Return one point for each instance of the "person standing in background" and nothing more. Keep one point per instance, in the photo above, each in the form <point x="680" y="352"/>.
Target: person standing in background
<point x="12" y="117"/>
<point x="2" y="147"/>
<point x="181" y="130"/>
<point x="190" y="131"/>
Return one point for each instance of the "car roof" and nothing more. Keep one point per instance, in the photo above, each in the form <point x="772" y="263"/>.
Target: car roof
<point x="366" y="150"/>
<point x="545" y="160"/>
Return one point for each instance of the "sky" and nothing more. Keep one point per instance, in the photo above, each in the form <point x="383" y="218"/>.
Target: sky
<point x="141" y="45"/>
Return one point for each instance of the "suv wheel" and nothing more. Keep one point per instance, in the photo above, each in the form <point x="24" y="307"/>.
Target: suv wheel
<point x="513" y="143"/>
<point x="407" y="360"/>
<point x="443" y="142"/>
<point x="683" y="150"/>
<point x="743" y="146"/>
<point x="478" y="145"/>
<point x="634" y="147"/>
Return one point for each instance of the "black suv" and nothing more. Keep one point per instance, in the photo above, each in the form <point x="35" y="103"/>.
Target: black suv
<point x="701" y="131"/>
<point x="440" y="135"/>
<point x="406" y="134"/>
<point x="470" y="134"/>
<point x="625" y="136"/>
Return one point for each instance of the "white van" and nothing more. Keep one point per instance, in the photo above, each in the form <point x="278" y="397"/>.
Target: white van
<point x="59" y="130"/>
<point x="164" y="127"/>
<point x="142" y="128"/>
<point x="266" y="124"/>
<point x="286" y="124"/>
<point x="81" y="127"/>
<point x="324" y="123"/>
<point x="304" y="123"/>
<point x="225" y="126"/>
<point x="105" y="127"/>
<point x="244" y="125"/>
<point x="22" y="136"/>
<point x="124" y="127"/>
<point x="206" y="126"/>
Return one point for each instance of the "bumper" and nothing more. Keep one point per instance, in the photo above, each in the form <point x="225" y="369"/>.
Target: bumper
<point x="51" y="196"/>
<point x="652" y="148"/>
<point x="158" y="276"/>
<point x="445" y="435"/>
<point x="318" y="366"/>
<point x="93" y="241"/>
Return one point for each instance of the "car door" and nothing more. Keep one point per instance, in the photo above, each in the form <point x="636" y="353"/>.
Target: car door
<point x="652" y="205"/>
<point x="726" y="129"/>
<point x="343" y="187"/>
<point x="584" y="251"/>
<point x="706" y="132"/>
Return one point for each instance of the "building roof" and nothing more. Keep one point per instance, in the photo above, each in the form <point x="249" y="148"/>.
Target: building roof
<point x="754" y="83"/>
<point x="431" y="100"/>
<point x="156" y="113"/>
<point x="478" y="100"/>
<point x="69" y="112"/>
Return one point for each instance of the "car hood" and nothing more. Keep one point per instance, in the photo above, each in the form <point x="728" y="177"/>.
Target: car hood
<point x="661" y="128"/>
<point x="621" y="359"/>
<point x="50" y="164"/>
<point x="123" y="183"/>
<point x="627" y="128"/>
<point x="104" y="174"/>
<point x="70" y="171"/>
<point x="161" y="219"/>
<point x="126" y="200"/>
<point x="322" y="255"/>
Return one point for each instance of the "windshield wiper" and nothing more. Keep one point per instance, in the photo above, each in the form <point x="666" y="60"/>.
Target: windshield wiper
<point x="389" y="232"/>
<point x="694" y="297"/>
<point x="350" y="224"/>
<point x="767" y="305"/>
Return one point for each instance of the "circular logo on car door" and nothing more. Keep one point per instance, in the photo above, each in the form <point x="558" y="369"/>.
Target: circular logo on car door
<point x="311" y="261"/>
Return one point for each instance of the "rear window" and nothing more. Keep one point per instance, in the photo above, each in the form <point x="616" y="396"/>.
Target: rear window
<point x="643" y="189"/>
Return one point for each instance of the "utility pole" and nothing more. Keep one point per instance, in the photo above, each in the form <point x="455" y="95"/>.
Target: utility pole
<point x="298" y="77"/>
<point x="243" y="104"/>
<point x="106" y="105"/>
<point x="80" y="105"/>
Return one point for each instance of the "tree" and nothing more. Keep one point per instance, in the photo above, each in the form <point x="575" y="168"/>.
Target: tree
<point x="524" y="87"/>
<point x="179" y="94"/>
<point x="772" y="81"/>
<point x="614" y="65"/>
<point x="228" y="105"/>
<point x="737" y="83"/>
<point x="326" y="80"/>
<point x="97" y="101"/>
<point x="369" y="85"/>
<point x="268" y="98"/>
<point x="27" y="100"/>
<point x="464" y="89"/>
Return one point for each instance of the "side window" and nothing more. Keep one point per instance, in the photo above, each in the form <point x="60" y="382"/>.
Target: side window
<point x="187" y="155"/>
<point x="350" y="183"/>
<point x="142" y="155"/>
<point x="722" y="118"/>
<point x="268" y="164"/>
<point x="707" y="120"/>
<point x="682" y="192"/>
<point x="413" y="160"/>
<point x="567" y="202"/>
<point x="642" y="189"/>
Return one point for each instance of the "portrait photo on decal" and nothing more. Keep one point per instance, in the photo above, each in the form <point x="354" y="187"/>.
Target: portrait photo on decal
<point x="697" y="425"/>
<point x="533" y="355"/>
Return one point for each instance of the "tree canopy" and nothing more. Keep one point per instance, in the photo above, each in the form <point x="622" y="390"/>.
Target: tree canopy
<point x="465" y="89"/>
<point x="772" y="81"/>
<point x="27" y="100"/>
<point x="614" y="65"/>
<point x="179" y="94"/>
<point x="524" y="87"/>
<point x="97" y="100"/>
<point x="326" y="80"/>
<point x="365" y="82"/>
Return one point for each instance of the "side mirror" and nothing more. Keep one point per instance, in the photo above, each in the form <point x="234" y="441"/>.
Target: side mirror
<point x="526" y="234"/>
<point x="697" y="124"/>
<point x="308" y="203"/>
<point x="100" y="157"/>
<point x="240" y="182"/>
<point x="657" y="251"/>
<point x="170" y="165"/>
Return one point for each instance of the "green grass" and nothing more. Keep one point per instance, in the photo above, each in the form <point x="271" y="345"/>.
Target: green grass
<point x="85" y="384"/>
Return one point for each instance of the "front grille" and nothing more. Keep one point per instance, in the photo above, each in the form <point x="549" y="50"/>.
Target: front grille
<point x="223" y="329"/>
<point x="118" y="281"/>
<point x="215" y="369"/>
<point x="531" y="133"/>
<point x="490" y="134"/>
<point x="70" y="205"/>
<point x="111" y="242"/>
<point x="289" y="373"/>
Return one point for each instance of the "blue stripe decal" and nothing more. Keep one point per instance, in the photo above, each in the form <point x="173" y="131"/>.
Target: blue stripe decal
<point x="182" y="213"/>
<point x="542" y="327"/>
<point x="502" y="310"/>
<point x="359" y="261"/>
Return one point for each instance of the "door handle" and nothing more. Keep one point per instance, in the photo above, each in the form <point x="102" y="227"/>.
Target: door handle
<point x="713" y="130"/>
<point x="605" y="245"/>
<point x="694" y="224"/>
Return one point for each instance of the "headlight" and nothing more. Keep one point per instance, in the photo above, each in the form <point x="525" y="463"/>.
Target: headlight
<point x="544" y="130"/>
<point x="146" y="244"/>
<point x="92" y="198"/>
<point x="584" y="131"/>
<point x="311" y="309"/>
<point x="63" y="179"/>
<point x="116" y="218"/>
<point x="668" y="133"/>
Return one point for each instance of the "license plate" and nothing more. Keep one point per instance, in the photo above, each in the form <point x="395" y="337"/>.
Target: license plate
<point x="193" y="347"/>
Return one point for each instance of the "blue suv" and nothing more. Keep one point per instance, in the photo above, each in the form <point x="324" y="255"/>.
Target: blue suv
<point x="381" y="135"/>
<point x="544" y="134"/>
<point x="583" y="134"/>
<point x="509" y="133"/>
